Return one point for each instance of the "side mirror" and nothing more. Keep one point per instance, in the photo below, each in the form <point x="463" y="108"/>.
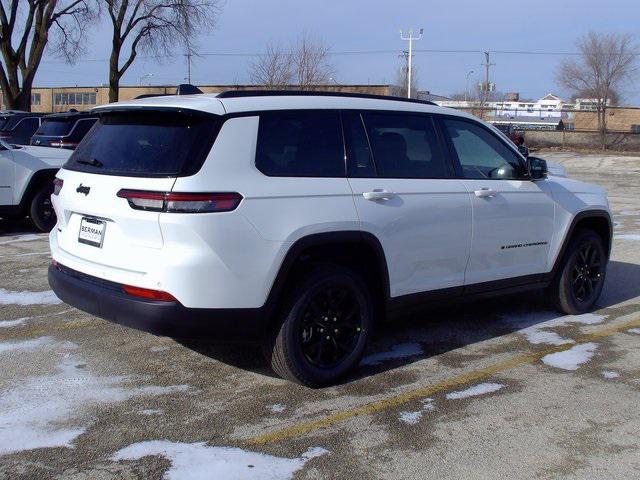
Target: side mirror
<point x="537" y="168"/>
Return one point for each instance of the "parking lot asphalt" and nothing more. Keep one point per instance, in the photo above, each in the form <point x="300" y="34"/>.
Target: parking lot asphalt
<point x="504" y="388"/>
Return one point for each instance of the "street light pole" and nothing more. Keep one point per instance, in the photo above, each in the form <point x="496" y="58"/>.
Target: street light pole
<point x="466" y="85"/>
<point x="410" y="38"/>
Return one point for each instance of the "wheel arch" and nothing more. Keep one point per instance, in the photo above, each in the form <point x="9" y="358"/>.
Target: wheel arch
<point x="34" y="183"/>
<point x="354" y="249"/>
<point x="598" y="221"/>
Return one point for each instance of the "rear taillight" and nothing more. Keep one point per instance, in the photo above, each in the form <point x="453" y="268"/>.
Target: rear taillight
<point x="148" y="293"/>
<point x="181" y="202"/>
<point x="57" y="185"/>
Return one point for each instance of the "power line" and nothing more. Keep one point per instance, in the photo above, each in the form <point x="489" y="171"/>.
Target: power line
<point x="340" y="53"/>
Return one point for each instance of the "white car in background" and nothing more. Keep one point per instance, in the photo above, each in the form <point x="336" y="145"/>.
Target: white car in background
<point x="26" y="182"/>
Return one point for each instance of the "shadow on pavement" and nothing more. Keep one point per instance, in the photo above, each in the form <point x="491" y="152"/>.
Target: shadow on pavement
<point x="432" y="332"/>
<point x="16" y="227"/>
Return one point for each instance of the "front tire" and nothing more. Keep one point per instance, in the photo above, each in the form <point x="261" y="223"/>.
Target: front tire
<point x="323" y="328"/>
<point x="41" y="210"/>
<point x="579" y="282"/>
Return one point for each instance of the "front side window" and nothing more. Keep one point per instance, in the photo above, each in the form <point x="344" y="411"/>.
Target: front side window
<point x="481" y="154"/>
<point x="302" y="143"/>
<point x="405" y="146"/>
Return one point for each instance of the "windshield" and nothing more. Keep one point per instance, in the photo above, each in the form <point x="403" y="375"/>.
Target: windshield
<point x="148" y="143"/>
<point x="3" y="121"/>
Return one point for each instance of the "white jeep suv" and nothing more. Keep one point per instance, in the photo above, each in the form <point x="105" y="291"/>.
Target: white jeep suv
<point x="26" y="182"/>
<point x="300" y="220"/>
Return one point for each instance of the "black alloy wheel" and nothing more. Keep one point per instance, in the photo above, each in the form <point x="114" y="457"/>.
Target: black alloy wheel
<point x="331" y="325"/>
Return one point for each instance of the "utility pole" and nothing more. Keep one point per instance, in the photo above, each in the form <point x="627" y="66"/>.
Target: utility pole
<point x="410" y="38"/>
<point x="189" y="55"/>
<point x="487" y="85"/>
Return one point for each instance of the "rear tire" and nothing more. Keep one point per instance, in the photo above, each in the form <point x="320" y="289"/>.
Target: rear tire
<point x="580" y="279"/>
<point x="322" y="331"/>
<point x="41" y="210"/>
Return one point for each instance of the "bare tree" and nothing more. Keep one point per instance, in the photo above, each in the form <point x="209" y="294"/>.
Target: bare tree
<point x="310" y="62"/>
<point x="607" y="62"/>
<point x="154" y="26"/>
<point x="304" y="65"/>
<point x="27" y="28"/>
<point x="402" y="77"/>
<point x="272" y="69"/>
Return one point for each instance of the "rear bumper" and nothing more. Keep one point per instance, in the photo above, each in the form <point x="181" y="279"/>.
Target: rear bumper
<point x="106" y="300"/>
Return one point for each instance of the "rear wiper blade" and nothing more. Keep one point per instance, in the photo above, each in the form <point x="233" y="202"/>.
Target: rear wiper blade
<point x="93" y="162"/>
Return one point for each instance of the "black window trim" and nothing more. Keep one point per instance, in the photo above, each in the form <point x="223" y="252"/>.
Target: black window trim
<point x="449" y="165"/>
<point x="454" y="156"/>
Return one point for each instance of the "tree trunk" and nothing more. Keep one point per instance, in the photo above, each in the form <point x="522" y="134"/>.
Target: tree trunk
<point x="114" y="73"/>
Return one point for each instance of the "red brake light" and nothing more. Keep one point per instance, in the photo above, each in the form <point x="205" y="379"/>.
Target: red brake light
<point x="175" y="202"/>
<point x="57" y="185"/>
<point x="147" y="293"/>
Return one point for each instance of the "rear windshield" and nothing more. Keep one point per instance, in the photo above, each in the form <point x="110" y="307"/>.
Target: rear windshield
<point x="146" y="144"/>
<point x="55" y="128"/>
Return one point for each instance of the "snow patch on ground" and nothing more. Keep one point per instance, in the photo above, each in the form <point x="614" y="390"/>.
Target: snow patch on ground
<point x="412" y="418"/>
<point x="474" y="391"/>
<point x="24" y="238"/>
<point x="628" y="236"/>
<point x="52" y="410"/>
<point x="634" y="330"/>
<point x="610" y="374"/>
<point x="47" y="297"/>
<point x="25" y="345"/>
<point x="571" y="359"/>
<point x="534" y="326"/>
<point x="150" y="411"/>
<point x="276" y="408"/>
<point x="402" y="350"/>
<point x="160" y="348"/>
<point x="13" y="323"/>
<point x="198" y="461"/>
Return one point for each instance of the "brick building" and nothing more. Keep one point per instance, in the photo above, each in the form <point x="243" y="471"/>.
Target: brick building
<point x="61" y="99"/>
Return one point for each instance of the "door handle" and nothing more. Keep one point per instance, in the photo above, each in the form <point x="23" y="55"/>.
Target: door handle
<point x="378" y="195"/>
<point x="485" y="193"/>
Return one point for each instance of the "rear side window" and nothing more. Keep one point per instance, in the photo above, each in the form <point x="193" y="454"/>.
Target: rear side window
<point x="146" y="144"/>
<point x="26" y="126"/>
<point x="303" y="143"/>
<point x="55" y="128"/>
<point x="82" y="127"/>
<point x="405" y="146"/>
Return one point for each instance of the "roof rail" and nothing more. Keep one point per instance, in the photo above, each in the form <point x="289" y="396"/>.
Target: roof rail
<point x="317" y="93"/>
<point x="150" y="95"/>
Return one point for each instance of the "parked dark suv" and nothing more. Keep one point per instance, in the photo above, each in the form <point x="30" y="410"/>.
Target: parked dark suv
<point x="17" y="128"/>
<point x="63" y="130"/>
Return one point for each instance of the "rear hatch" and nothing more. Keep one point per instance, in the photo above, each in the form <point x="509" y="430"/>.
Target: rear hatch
<point x="51" y="131"/>
<point x="140" y="150"/>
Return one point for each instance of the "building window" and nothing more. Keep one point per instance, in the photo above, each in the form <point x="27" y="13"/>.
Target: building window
<point x="635" y="128"/>
<point x="35" y="99"/>
<point x="82" y="98"/>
